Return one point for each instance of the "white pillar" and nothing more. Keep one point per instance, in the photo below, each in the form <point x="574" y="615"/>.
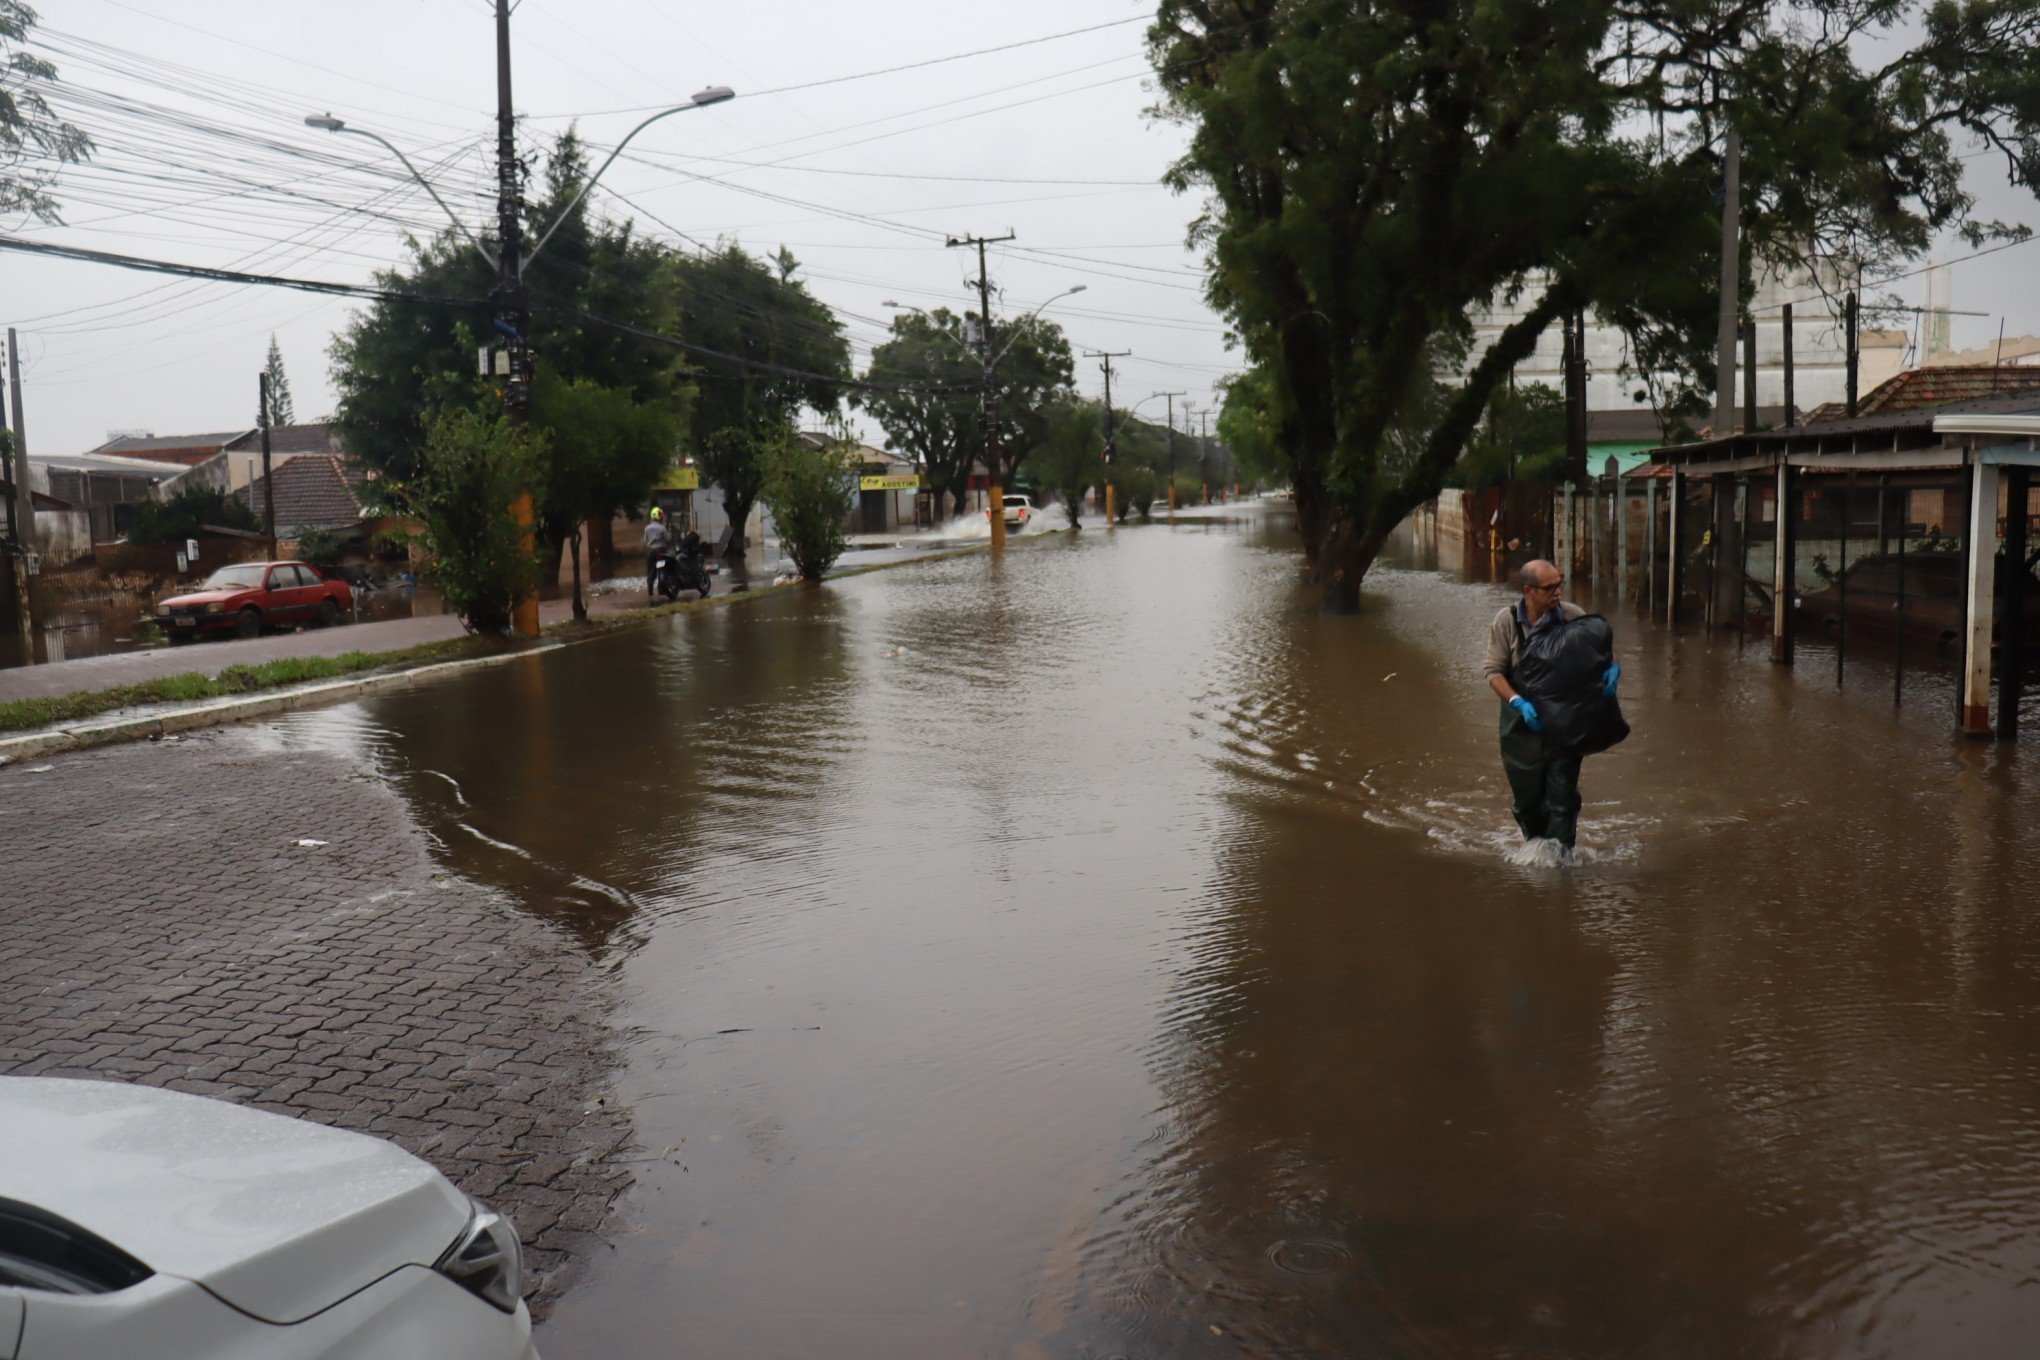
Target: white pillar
<point x="1678" y="493"/>
<point x="1622" y="591"/>
<point x="1980" y="598"/>
<point x="1783" y="588"/>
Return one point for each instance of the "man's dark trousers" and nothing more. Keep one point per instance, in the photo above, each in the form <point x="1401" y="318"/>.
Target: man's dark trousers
<point x="1546" y="785"/>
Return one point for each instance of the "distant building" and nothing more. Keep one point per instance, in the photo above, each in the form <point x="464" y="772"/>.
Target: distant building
<point x="239" y="460"/>
<point x="107" y="489"/>
<point x="2014" y="351"/>
<point x="185" y="449"/>
<point x="1620" y="419"/>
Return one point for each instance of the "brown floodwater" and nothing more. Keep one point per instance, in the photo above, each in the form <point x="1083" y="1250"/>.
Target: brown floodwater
<point x="1098" y="953"/>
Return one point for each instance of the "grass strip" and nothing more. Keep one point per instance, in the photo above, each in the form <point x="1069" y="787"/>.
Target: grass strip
<point x="20" y="715"/>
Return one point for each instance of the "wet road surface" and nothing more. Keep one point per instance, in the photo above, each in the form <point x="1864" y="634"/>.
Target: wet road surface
<point x="1097" y="953"/>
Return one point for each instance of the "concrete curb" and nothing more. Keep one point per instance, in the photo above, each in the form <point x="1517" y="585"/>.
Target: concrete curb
<point x="217" y="712"/>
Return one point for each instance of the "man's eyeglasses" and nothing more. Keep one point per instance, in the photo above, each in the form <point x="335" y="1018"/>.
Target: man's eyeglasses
<point x="1547" y="589"/>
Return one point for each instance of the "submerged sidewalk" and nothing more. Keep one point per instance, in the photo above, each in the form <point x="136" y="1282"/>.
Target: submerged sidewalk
<point x="606" y="599"/>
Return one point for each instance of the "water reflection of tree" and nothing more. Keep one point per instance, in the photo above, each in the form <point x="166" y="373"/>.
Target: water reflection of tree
<point x="614" y="767"/>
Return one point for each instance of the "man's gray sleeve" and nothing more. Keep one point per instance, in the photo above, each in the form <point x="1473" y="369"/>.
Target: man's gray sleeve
<point x="1500" y="634"/>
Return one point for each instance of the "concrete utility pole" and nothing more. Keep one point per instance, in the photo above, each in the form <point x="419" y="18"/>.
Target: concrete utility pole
<point x="513" y="315"/>
<point x="268" y="482"/>
<point x="1731" y="283"/>
<point x="1576" y="395"/>
<point x="20" y="515"/>
<point x="24" y="505"/>
<point x="1785" y="351"/>
<point x="1111" y="431"/>
<point x="1749" y="373"/>
<point x="1854" y="353"/>
<point x="1172" y="439"/>
<point x="995" y="492"/>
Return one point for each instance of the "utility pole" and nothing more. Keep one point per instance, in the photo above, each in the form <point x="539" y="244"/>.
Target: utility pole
<point x="1576" y="395"/>
<point x="988" y="416"/>
<point x="1172" y="439"/>
<point x="1854" y="353"/>
<point x="513" y="316"/>
<point x="1749" y="374"/>
<point x="1785" y="349"/>
<point x="268" y="482"/>
<point x="24" y="508"/>
<point x="1731" y="283"/>
<point x="1111" y="431"/>
<point x="17" y="476"/>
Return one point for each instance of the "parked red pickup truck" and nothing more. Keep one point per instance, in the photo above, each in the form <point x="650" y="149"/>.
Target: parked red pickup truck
<point x="250" y="596"/>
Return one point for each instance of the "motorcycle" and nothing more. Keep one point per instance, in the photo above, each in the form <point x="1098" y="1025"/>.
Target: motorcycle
<point x="675" y="572"/>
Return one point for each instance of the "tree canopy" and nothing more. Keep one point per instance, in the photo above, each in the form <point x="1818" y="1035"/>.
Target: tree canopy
<point x="33" y="140"/>
<point x="927" y="392"/>
<point x="1373" y="175"/>
<point x="782" y="351"/>
<point x="282" y="410"/>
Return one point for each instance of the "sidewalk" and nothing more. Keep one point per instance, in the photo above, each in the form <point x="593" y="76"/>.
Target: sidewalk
<point x="605" y="599"/>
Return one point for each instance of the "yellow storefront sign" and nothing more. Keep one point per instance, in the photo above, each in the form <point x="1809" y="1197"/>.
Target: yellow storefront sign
<point x="906" y="481"/>
<point x="679" y="479"/>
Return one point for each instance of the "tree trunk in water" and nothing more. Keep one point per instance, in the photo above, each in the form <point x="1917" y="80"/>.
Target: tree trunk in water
<point x="1310" y="524"/>
<point x="601" y="548"/>
<point x="574" y="549"/>
<point x="1343" y="560"/>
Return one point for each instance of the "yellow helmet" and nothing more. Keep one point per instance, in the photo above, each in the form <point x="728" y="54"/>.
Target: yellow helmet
<point x="657" y="513"/>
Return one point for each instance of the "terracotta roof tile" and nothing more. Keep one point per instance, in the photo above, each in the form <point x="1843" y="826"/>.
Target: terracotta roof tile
<point x="1919" y="388"/>
<point x="313" y="491"/>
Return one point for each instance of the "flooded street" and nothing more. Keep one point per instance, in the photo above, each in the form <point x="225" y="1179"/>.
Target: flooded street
<point x="1097" y="953"/>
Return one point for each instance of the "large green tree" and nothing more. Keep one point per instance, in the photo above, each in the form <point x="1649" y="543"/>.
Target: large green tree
<point x="766" y="349"/>
<point x="596" y="291"/>
<point x="34" y="141"/>
<point x="926" y="391"/>
<point x="1375" y="174"/>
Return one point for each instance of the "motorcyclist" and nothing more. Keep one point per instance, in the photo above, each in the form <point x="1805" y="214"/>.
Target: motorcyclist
<point x="693" y="566"/>
<point x="658" y="540"/>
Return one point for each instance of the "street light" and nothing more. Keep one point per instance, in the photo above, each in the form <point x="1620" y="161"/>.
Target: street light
<point x="331" y="124"/>
<point x="714" y="94"/>
<point x="1067" y="292"/>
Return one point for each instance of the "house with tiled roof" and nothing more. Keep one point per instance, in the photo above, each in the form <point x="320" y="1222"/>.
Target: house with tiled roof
<point x="1916" y="389"/>
<point x="314" y="491"/>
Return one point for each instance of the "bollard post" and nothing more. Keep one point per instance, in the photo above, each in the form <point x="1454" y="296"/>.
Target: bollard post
<point x="1783" y="565"/>
<point x="1980" y="598"/>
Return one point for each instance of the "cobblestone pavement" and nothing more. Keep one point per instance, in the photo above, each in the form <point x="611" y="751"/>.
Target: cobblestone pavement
<point x="160" y="923"/>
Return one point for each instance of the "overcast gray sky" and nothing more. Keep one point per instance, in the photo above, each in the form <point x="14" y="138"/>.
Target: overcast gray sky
<point x="204" y="158"/>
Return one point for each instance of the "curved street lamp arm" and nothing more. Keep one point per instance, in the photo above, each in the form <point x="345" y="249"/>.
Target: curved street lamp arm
<point x="1020" y="326"/>
<point x="714" y="95"/>
<point x="426" y="185"/>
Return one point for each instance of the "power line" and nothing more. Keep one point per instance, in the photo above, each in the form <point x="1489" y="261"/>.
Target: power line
<point x="374" y="294"/>
<point x="890" y="70"/>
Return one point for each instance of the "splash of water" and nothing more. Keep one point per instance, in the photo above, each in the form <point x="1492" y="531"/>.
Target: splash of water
<point x="976" y="527"/>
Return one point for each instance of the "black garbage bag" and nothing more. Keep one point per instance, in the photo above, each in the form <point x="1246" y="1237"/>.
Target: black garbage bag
<point x="1561" y="670"/>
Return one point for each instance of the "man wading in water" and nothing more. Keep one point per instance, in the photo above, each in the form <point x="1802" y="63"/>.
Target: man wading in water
<point x="1544" y="768"/>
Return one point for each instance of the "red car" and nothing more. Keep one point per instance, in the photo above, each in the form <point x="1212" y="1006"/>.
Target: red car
<point x="250" y="596"/>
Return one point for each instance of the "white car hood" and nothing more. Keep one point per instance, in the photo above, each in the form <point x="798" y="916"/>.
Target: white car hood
<point x="275" y="1216"/>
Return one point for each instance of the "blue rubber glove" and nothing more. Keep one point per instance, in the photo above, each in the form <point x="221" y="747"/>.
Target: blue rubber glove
<point x="1611" y="679"/>
<point x="1529" y="712"/>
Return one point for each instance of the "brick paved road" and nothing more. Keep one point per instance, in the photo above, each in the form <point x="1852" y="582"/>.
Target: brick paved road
<point x="159" y="924"/>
